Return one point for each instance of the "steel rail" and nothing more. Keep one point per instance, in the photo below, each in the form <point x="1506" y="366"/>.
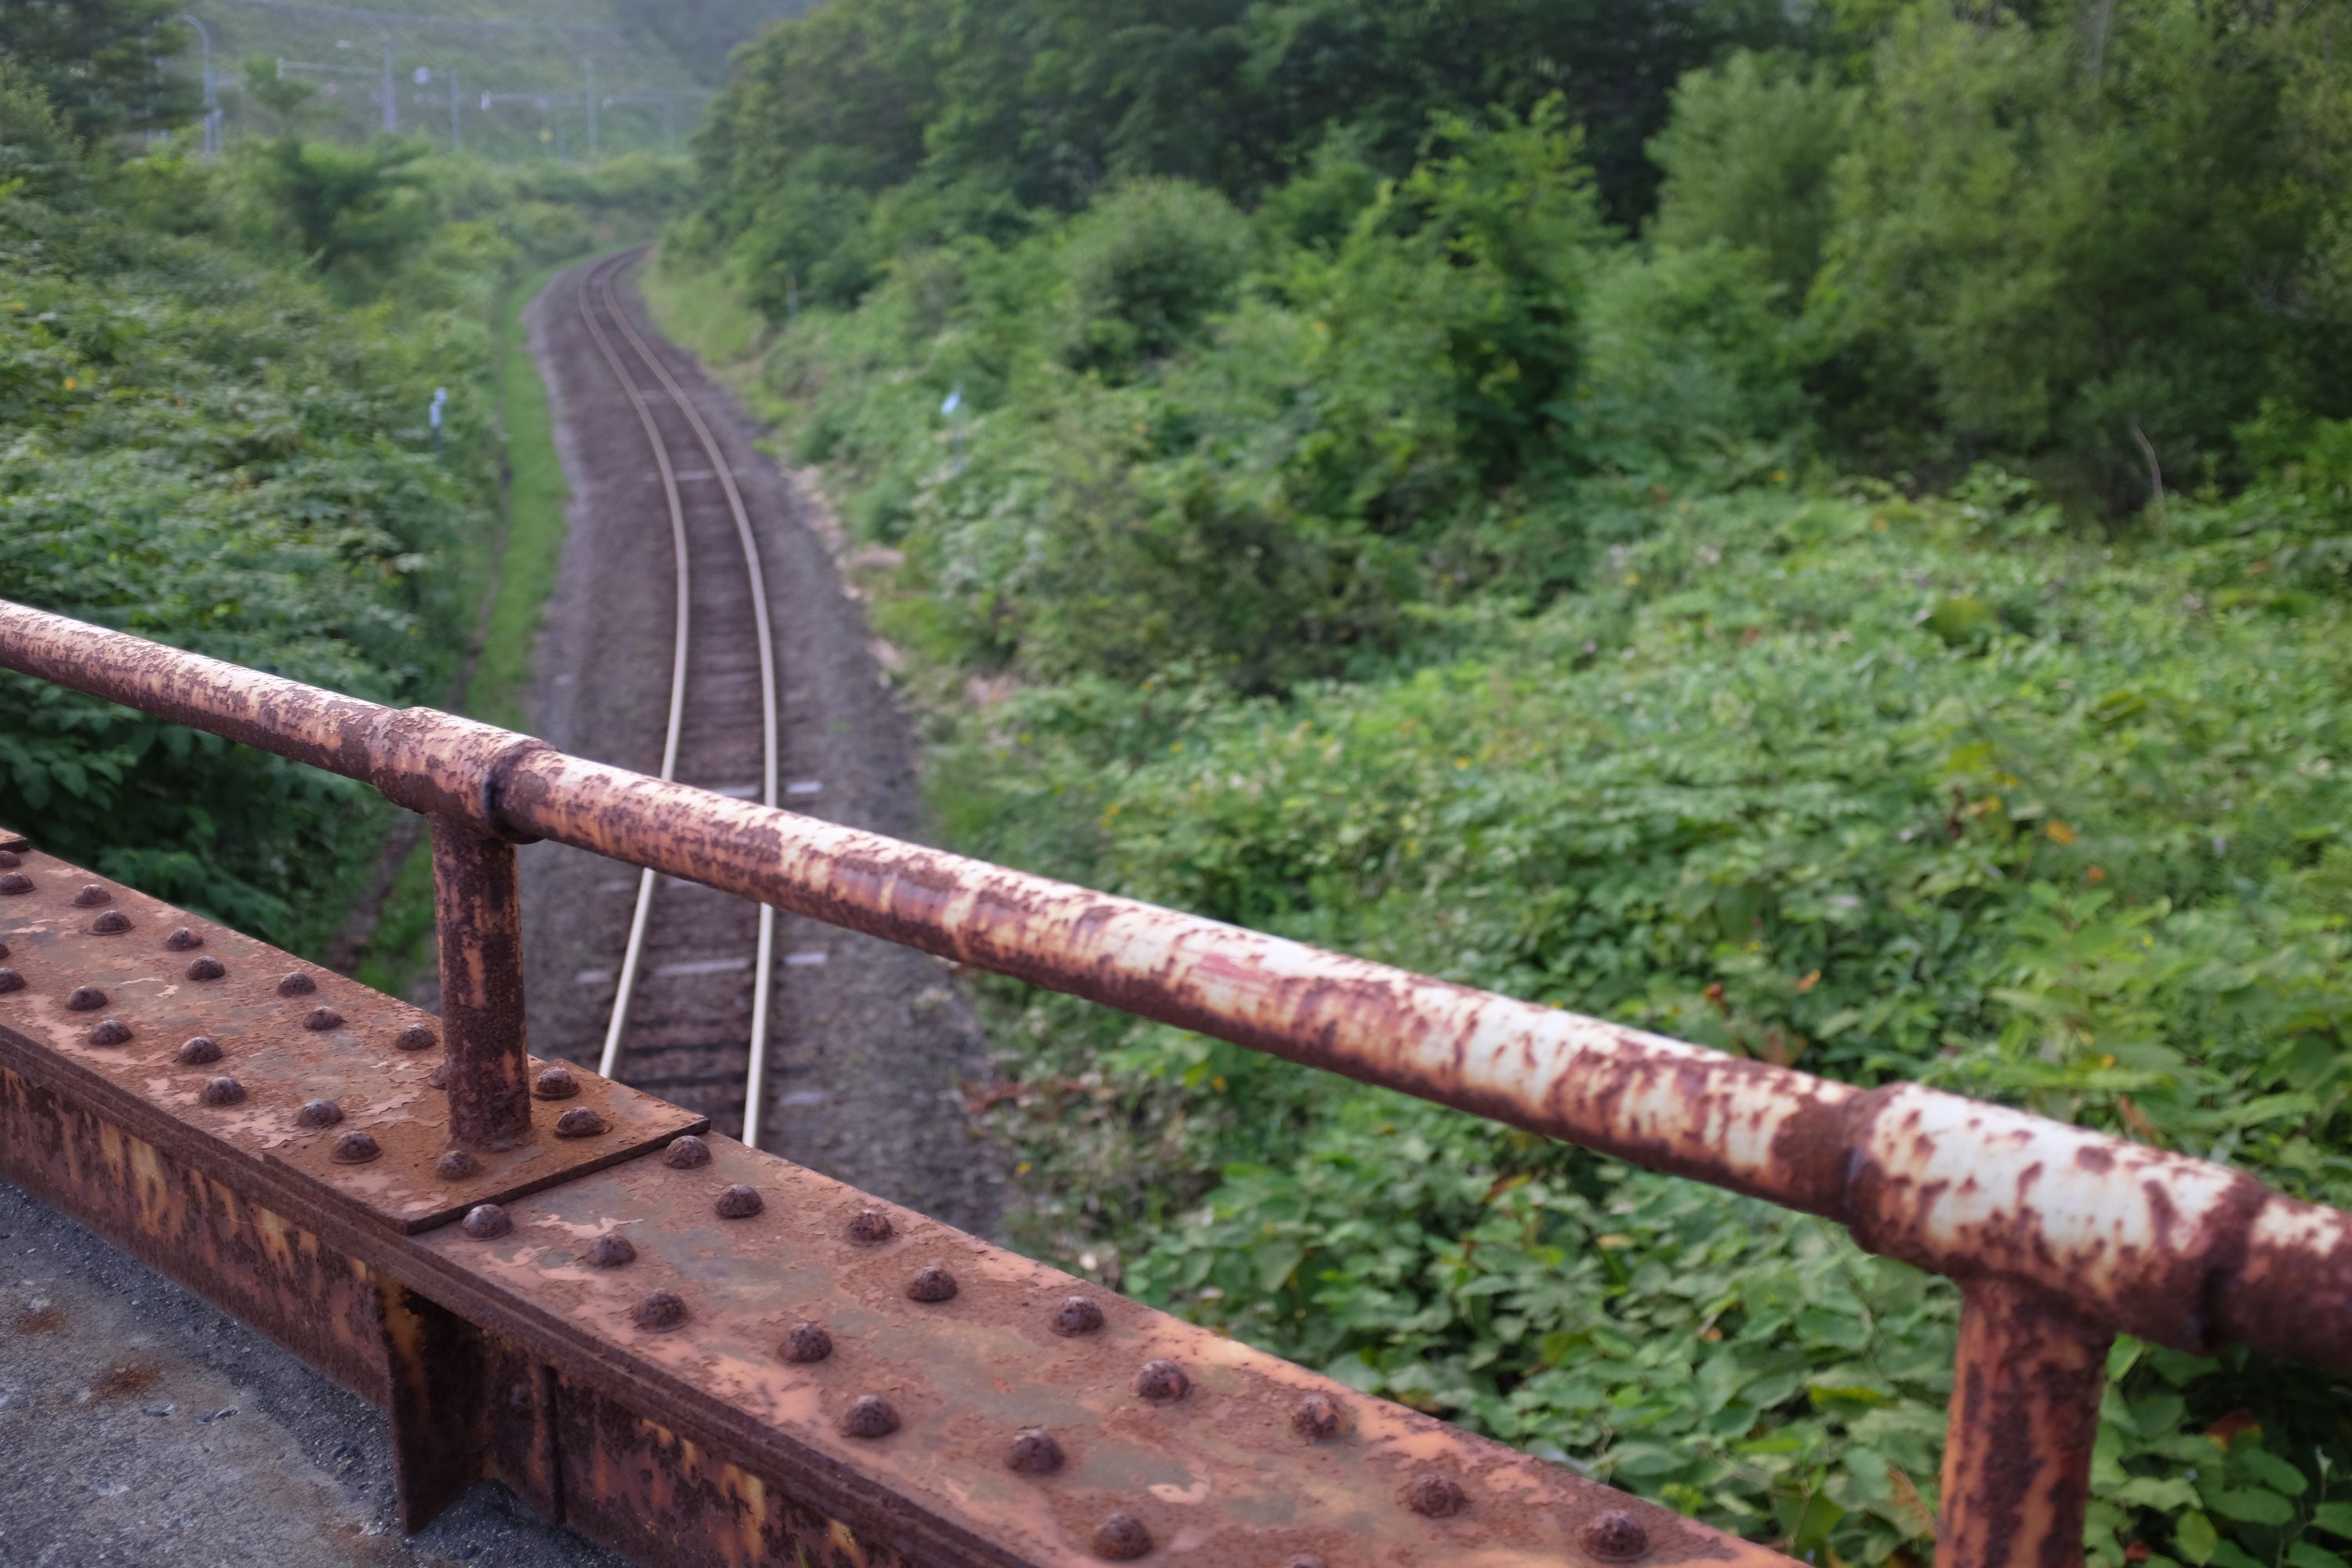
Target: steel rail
<point x="763" y="965"/>
<point x="681" y="614"/>
<point x="600" y="276"/>
<point x="2173" y="1250"/>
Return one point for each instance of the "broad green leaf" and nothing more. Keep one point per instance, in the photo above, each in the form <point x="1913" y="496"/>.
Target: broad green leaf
<point x="1274" y="1262"/>
<point x="2166" y="1492"/>
<point x="2269" y="1469"/>
<point x="2194" y="1534"/>
<point x="2250" y="1505"/>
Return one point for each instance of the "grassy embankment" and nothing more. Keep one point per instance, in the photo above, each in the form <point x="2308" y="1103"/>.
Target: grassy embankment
<point x="703" y="308"/>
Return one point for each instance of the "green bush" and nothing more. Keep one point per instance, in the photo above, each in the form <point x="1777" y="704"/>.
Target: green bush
<point x="1874" y="788"/>
<point x="36" y="161"/>
<point x="352" y="212"/>
<point x="2064" y="248"/>
<point x="1748" y="159"/>
<point x="1143" y="269"/>
<point x="1494" y="239"/>
<point x="1690" y="355"/>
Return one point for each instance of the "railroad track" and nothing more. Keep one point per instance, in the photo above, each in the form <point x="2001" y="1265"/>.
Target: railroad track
<point x="692" y="1001"/>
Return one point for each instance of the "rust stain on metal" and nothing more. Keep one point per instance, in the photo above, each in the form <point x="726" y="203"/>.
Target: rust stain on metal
<point x="781" y="1384"/>
<point x="2025" y="1414"/>
<point x="578" y="1122"/>
<point x="1615" y="1537"/>
<point x="660" y="1497"/>
<point x="788" y="1325"/>
<point x="2168" y="1248"/>
<point x="467" y="1403"/>
<point x="931" y="1285"/>
<point x="1316" y="1417"/>
<point x="253" y="1086"/>
<point x="477" y="911"/>
<point x="1807" y="1142"/>
<point x="612" y="1252"/>
<point x="1162" y="1382"/>
<point x="2193" y="1254"/>
<point x="183" y="1220"/>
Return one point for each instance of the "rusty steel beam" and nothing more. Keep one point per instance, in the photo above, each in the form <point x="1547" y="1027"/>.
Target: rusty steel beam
<point x="221" y="1043"/>
<point x="477" y="927"/>
<point x="2025" y="1414"/>
<point x="2173" y="1250"/>
<point x="709" y="1354"/>
<point x="218" y="1238"/>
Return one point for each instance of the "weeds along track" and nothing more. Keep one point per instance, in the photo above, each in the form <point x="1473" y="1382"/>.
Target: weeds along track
<point x="693" y="994"/>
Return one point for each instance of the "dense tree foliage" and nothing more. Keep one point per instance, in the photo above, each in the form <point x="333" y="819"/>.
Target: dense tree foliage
<point x="1833" y="542"/>
<point x="862" y="127"/>
<point x="101" y="64"/>
<point x="2089" y="244"/>
<point x="213" y="384"/>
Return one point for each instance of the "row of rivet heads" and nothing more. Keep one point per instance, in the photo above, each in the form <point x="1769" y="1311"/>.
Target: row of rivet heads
<point x="1122" y="1537"/>
<point x="352" y="1148"/>
<point x="1613" y="1536"/>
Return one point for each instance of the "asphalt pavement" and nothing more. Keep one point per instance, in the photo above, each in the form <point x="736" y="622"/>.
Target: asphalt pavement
<point x="140" y="1425"/>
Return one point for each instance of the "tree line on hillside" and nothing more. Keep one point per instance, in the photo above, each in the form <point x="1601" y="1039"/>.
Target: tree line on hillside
<point x="2096" y="240"/>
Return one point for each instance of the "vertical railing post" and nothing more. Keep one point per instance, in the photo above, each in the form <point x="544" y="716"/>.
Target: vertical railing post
<point x="477" y="911"/>
<point x="2025" y="1411"/>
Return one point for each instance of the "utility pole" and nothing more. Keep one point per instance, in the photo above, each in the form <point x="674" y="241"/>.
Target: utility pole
<point x="589" y="61"/>
<point x="211" y="89"/>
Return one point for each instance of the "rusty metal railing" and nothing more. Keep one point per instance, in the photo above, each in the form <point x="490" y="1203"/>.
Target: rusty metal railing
<point x="2058" y="1236"/>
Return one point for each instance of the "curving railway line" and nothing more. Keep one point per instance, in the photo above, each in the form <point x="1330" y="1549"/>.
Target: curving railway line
<point x="694" y="996"/>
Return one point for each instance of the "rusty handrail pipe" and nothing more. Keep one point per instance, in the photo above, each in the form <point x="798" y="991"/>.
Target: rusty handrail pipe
<point x="2177" y="1250"/>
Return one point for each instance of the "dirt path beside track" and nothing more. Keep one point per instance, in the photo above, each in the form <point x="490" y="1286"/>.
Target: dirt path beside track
<point x="870" y="1042"/>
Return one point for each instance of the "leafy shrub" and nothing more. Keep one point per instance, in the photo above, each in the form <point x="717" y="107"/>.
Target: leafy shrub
<point x="2063" y="247"/>
<point x="351" y="211"/>
<point x="1143" y="269"/>
<point x="36" y="161"/>
<point x="1747" y="160"/>
<point x="1749" y="793"/>
<point x="1491" y="239"/>
<point x="100" y="64"/>
<point x="1689" y="355"/>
